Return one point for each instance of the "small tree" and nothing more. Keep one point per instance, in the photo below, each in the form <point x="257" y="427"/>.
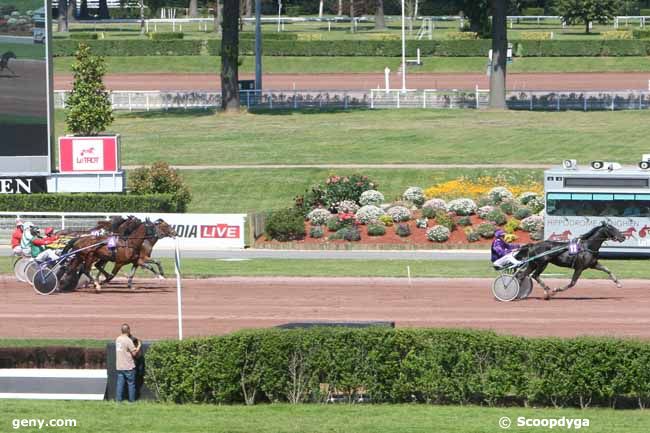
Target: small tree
<point x="88" y="109"/>
<point x="160" y="178"/>
<point x="586" y="11"/>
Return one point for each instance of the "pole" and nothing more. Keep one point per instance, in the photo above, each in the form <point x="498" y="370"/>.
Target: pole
<point x="258" y="45"/>
<point x="403" y="51"/>
<point x="387" y="78"/>
<point x="177" y="269"/>
<point x="279" y="15"/>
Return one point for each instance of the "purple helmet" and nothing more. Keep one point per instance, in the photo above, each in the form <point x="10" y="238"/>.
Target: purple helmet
<point x="499" y="233"/>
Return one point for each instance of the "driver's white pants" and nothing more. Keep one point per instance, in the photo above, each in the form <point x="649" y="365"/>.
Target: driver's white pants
<point x="46" y="255"/>
<point x="506" y="261"/>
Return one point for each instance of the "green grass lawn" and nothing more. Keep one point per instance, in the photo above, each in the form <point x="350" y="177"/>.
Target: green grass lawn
<point x="109" y="417"/>
<point x="309" y="65"/>
<point x="380" y="136"/>
<point x="15" y="342"/>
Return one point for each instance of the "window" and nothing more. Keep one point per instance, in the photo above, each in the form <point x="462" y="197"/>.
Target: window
<point x="595" y="182"/>
<point x="601" y="204"/>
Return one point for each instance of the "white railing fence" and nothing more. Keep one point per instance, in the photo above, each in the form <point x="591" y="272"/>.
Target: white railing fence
<point x="77" y="221"/>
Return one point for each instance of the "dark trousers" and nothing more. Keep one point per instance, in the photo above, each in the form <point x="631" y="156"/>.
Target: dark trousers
<point x="125" y="377"/>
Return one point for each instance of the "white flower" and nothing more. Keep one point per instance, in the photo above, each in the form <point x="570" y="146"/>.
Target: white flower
<point x="414" y="194"/>
<point x="346" y="206"/>
<point x="437" y="204"/>
<point x="533" y="223"/>
<point x="368" y="214"/>
<point x="499" y="194"/>
<point x="462" y="206"/>
<point x="483" y="211"/>
<point x="318" y="216"/>
<point x="438" y="233"/>
<point x="399" y="213"/>
<point x="371" y="197"/>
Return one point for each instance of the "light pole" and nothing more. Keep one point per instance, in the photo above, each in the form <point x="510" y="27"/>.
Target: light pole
<point x="258" y="46"/>
<point x="403" y="51"/>
<point x="279" y="15"/>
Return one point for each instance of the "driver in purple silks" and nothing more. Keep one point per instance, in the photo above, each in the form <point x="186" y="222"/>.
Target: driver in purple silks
<point x="502" y="251"/>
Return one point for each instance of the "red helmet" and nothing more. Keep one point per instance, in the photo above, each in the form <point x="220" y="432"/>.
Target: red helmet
<point x="49" y="231"/>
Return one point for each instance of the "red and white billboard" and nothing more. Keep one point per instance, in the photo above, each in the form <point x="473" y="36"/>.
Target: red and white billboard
<point x="89" y="154"/>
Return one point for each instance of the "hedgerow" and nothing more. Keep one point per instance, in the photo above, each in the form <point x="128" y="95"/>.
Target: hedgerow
<point x="89" y="203"/>
<point x="399" y="365"/>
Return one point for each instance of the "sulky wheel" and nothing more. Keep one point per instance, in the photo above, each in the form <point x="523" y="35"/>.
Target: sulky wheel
<point x="505" y="288"/>
<point x="19" y="269"/>
<point x="30" y="270"/>
<point x="45" y="280"/>
<point x="525" y="287"/>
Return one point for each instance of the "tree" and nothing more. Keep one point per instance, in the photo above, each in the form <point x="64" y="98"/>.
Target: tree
<point x="230" y="56"/>
<point x="217" y="15"/>
<point x="380" y="22"/>
<point x="160" y="178"/>
<point x="586" y="11"/>
<point x="72" y="10"/>
<point x="142" y="24"/>
<point x="83" y="10"/>
<point x="249" y="9"/>
<point x="104" y="14"/>
<point x="194" y="9"/>
<point x="352" y="16"/>
<point x="62" y="23"/>
<point x="88" y="108"/>
<point x="321" y="4"/>
<point x="499" y="53"/>
<point x="340" y="9"/>
<point x="478" y="13"/>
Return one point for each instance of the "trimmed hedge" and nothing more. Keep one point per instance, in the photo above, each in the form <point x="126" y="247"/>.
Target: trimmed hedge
<point x="52" y="357"/>
<point x="166" y="36"/>
<point x="131" y="47"/>
<point x="270" y="36"/>
<point x="403" y="365"/>
<point x="88" y="203"/>
<point x="84" y="36"/>
<point x="578" y="48"/>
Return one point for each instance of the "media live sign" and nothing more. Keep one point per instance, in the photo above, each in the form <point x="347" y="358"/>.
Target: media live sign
<point x="89" y="154"/>
<point x="203" y="231"/>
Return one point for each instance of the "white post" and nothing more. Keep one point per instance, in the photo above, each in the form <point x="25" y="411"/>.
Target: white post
<point x="418" y="51"/>
<point x="387" y="79"/>
<point x="649" y="85"/>
<point x="179" y="287"/>
<point x="408" y="272"/>
<point x="173" y="26"/>
<point x="477" y="105"/>
<point x="279" y="16"/>
<point x="403" y="51"/>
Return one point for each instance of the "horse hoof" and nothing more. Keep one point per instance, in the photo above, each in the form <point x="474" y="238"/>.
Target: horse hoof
<point x="547" y="295"/>
<point x="160" y="277"/>
<point x="620" y="286"/>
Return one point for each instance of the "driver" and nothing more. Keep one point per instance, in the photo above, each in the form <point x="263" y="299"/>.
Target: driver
<point x="16" y="237"/>
<point x="503" y="253"/>
<point x="34" y="243"/>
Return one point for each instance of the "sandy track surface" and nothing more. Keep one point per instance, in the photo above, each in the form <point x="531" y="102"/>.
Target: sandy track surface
<point x="23" y="94"/>
<point x="365" y="81"/>
<point x="217" y="306"/>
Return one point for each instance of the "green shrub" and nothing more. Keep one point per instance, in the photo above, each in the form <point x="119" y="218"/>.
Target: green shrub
<point x="81" y="35"/>
<point x="282" y="36"/>
<point x="386" y="220"/>
<point x="508" y="207"/>
<point x="429" y="212"/>
<point x="333" y="224"/>
<point x="511" y="226"/>
<point x="166" y="36"/>
<point x="160" y="178"/>
<point x="486" y="230"/>
<point x="523" y="212"/>
<point x="352" y="234"/>
<point x="165" y="203"/>
<point x="376" y="230"/>
<point x="617" y="35"/>
<point x="641" y="33"/>
<point x="130" y="47"/>
<point x="316" y="232"/>
<point x="445" y="220"/>
<point x="497" y="217"/>
<point x="402" y="230"/>
<point x="532" y="12"/>
<point x="464" y="221"/>
<point x="644" y="12"/>
<point x="472" y="235"/>
<point x="399" y="366"/>
<point x="457" y="36"/>
<point x="438" y="233"/>
<point x="285" y="225"/>
<point x="536" y="36"/>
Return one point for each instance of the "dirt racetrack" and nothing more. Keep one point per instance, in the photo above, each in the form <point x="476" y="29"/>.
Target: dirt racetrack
<point x="217" y="306"/>
<point x="366" y="81"/>
<point x="23" y="94"/>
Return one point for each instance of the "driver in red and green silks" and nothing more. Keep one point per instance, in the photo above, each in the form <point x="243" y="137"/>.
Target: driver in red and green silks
<point x="36" y="244"/>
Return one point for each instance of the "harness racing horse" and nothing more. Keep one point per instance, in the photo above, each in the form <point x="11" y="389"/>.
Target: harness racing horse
<point x="586" y="257"/>
<point x="4" y="61"/>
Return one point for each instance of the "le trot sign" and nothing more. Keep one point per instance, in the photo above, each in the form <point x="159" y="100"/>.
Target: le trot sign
<point x="89" y="154"/>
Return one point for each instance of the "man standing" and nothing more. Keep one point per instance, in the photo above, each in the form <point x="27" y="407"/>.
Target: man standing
<point x="125" y="354"/>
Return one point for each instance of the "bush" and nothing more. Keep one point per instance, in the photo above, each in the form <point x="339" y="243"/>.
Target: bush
<point x="350" y="234"/>
<point x="511" y="226"/>
<point x="399" y="213"/>
<point x="283" y="36"/>
<point x="537" y="236"/>
<point x="522" y="212"/>
<point x="337" y="189"/>
<point x="333" y="224"/>
<point x="369" y="214"/>
<point x="376" y="230"/>
<point x="483" y="211"/>
<point x="536" y="36"/>
<point x="472" y="235"/>
<point x="641" y="33"/>
<point x="346" y="206"/>
<point x="130" y="47"/>
<point x="126" y="203"/>
<point x="486" y="230"/>
<point x="464" y="221"/>
<point x="316" y="232"/>
<point x="445" y="220"/>
<point x="319" y="216"/>
<point x="534" y="223"/>
<point x="435" y="204"/>
<point x="371" y="197"/>
<point x="166" y="36"/>
<point x="617" y="35"/>
<point x="84" y="36"/>
<point x="428" y="212"/>
<point x="508" y="207"/>
<point x="456" y="36"/>
<point x="422" y="223"/>
<point x="532" y="12"/>
<point x="88" y="109"/>
<point x="462" y="206"/>
<point x="402" y="230"/>
<point x="285" y="225"/>
<point x="415" y="195"/>
<point x="386" y="220"/>
<point x="497" y="217"/>
<point x="500" y="194"/>
<point x="532" y="200"/>
<point x="160" y="178"/>
<point x="438" y="233"/>
<point x="52" y="357"/>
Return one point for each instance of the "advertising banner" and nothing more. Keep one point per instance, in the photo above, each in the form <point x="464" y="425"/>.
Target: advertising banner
<point x="88" y="154"/>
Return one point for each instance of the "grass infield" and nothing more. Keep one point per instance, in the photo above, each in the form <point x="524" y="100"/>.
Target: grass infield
<point x="109" y="417"/>
<point x="361" y="64"/>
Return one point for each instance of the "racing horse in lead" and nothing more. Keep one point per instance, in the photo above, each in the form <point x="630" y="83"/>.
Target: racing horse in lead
<point x="579" y="255"/>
